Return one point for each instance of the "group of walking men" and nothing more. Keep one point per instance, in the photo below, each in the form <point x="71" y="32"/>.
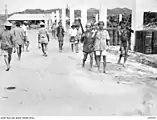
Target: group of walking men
<point x="13" y="40"/>
<point x="95" y="40"/>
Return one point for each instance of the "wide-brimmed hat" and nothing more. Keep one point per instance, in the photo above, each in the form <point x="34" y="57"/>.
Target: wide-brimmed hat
<point x="7" y="23"/>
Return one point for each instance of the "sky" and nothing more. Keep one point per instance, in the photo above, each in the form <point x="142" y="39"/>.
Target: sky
<point x="20" y="5"/>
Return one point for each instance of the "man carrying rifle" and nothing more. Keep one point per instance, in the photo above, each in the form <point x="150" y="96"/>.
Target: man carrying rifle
<point x="88" y="45"/>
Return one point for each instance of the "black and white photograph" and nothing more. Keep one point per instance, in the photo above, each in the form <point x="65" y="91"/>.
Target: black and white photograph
<point x="78" y="58"/>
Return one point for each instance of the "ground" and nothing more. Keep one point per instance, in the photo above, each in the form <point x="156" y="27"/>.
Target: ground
<point x="57" y="85"/>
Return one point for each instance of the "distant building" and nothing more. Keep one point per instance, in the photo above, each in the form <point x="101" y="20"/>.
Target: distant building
<point x="34" y="19"/>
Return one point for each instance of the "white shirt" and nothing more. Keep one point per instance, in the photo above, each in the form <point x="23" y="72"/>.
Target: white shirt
<point x="73" y="32"/>
<point x="25" y="29"/>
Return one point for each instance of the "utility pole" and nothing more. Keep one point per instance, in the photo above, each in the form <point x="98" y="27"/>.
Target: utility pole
<point x="6" y="11"/>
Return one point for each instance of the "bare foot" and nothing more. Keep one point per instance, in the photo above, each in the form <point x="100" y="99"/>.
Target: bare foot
<point x="124" y="65"/>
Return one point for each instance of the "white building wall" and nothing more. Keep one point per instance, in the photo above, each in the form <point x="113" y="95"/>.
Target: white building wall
<point x="138" y="9"/>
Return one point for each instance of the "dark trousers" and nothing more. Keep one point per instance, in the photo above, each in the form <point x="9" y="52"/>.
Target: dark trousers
<point x="19" y="50"/>
<point x="10" y="50"/>
<point x="44" y="47"/>
<point x="7" y="58"/>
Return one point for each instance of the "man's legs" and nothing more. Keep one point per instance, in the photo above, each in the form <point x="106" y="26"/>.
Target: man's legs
<point x="45" y="49"/>
<point x="27" y="44"/>
<point x="104" y="64"/>
<point x="60" y="45"/>
<point x="95" y="58"/>
<point x="5" y="53"/>
<point x="84" y="59"/>
<point x="125" y="54"/>
<point x="19" y="51"/>
<point x="121" y="54"/>
<point x="72" y="47"/>
<point x="42" y="48"/>
<point x="91" y="61"/>
<point x="98" y="59"/>
<point x="76" y="47"/>
<point x="10" y="50"/>
<point x="129" y="41"/>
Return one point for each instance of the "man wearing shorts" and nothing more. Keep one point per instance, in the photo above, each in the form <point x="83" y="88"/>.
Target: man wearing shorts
<point x="101" y="39"/>
<point x="7" y="43"/>
<point x="73" y="33"/>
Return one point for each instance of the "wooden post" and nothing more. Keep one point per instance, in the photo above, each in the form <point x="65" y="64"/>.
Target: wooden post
<point x="103" y="14"/>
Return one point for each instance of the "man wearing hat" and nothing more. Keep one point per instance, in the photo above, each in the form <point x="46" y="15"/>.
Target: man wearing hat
<point x="100" y="46"/>
<point x="88" y="45"/>
<point x="43" y="37"/>
<point x="60" y="35"/>
<point x="124" y="42"/>
<point x="7" y="43"/>
<point x="73" y="33"/>
<point x="20" y="38"/>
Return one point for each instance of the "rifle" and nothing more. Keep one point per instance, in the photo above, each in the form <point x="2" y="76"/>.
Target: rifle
<point x="82" y="38"/>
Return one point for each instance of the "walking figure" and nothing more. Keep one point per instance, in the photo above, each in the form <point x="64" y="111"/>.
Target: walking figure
<point x="124" y="42"/>
<point x="7" y="43"/>
<point x="73" y="33"/>
<point x="54" y="30"/>
<point x="24" y="27"/>
<point x="88" y="45"/>
<point x="20" y="39"/>
<point x="43" y="38"/>
<point x="60" y="35"/>
<point x="101" y="39"/>
<point x="77" y="38"/>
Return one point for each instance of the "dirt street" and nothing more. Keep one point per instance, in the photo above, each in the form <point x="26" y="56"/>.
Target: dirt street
<point x="57" y="85"/>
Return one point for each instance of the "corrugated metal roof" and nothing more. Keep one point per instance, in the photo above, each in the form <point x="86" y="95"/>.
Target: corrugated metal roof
<point x="30" y="17"/>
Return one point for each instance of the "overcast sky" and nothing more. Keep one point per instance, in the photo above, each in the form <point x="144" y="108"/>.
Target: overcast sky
<point x="19" y="5"/>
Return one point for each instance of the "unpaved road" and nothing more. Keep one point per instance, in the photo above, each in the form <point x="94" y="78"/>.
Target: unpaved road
<point x="57" y="85"/>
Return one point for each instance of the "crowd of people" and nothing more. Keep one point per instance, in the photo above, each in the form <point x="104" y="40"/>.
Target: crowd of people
<point x="95" y="40"/>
